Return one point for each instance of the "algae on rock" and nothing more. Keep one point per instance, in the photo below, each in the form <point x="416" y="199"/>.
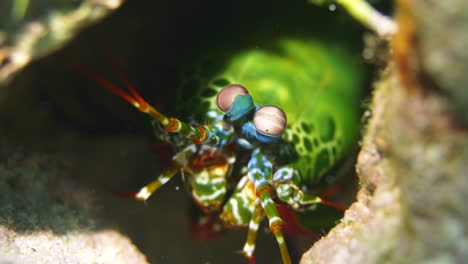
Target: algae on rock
<point x="43" y="29"/>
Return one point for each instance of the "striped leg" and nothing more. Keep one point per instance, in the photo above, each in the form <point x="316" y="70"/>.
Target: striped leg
<point x="149" y="189"/>
<point x="260" y="173"/>
<point x="180" y="160"/>
<point x="249" y="246"/>
<point x="283" y="247"/>
<point x="275" y="224"/>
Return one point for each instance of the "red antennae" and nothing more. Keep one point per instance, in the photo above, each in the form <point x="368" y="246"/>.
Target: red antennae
<point x="99" y="79"/>
<point x="133" y="97"/>
<point x="117" y="70"/>
<point x="197" y="134"/>
<point x="334" y="205"/>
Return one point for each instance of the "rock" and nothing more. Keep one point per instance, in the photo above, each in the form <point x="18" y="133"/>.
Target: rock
<point x="45" y="29"/>
<point x="411" y="206"/>
<point x="45" y="218"/>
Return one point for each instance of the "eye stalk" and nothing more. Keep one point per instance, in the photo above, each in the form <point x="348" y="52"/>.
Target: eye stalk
<point x="235" y="101"/>
<point x="269" y="121"/>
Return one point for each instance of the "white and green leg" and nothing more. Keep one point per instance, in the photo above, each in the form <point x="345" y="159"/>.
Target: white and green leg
<point x="260" y="173"/>
<point x="254" y="223"/>
<point x="153" y="186"/>
<point x="180" y="160"/>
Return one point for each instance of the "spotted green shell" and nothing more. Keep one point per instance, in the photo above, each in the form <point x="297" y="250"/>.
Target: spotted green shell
<point x="318" y="88"/>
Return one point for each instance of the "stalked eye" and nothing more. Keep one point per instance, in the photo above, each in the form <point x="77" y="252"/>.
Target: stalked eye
<point x="228" y="94"/>
<point x="270" y="120"/>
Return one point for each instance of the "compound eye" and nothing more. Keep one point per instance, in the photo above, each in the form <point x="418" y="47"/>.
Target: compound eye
<point x="228" y="94"/>
<point x="270" y="120"/>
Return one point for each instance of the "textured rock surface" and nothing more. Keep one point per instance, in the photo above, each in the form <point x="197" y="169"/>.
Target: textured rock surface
<point x="44" y="218"/>
<point x="444" y="57"/>
<point x="42" y="28"/>
<point x="105" y="246"/>
<point x="411" y="206"/>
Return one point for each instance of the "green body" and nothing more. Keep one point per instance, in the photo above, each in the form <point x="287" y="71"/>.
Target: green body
<point x="317" y="86"/>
